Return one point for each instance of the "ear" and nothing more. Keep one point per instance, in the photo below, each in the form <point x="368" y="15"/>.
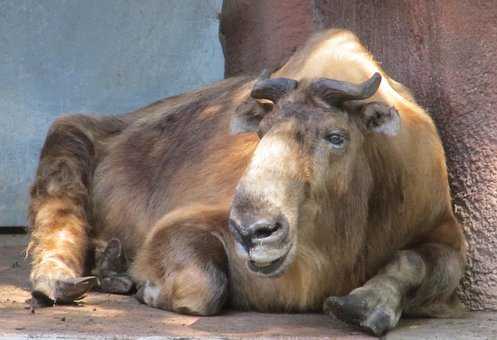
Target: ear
<point x="249" y="114"/>
<point x="380" y="118"/>
<point x="263" y="96"/>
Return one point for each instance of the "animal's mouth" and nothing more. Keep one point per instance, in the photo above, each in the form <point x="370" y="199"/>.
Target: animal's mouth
<point x="268" y="268"/>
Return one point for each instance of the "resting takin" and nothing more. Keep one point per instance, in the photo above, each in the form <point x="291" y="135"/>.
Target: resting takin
<point x="320" y="187"/>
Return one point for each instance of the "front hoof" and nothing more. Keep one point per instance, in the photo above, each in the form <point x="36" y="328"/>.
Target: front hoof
<point x="49" y="292"/>
<point x="368" y="313"/>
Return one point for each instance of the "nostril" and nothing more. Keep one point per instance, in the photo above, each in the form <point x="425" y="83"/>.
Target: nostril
<point x="262" y="233"/>
<point x="264" y="230"/>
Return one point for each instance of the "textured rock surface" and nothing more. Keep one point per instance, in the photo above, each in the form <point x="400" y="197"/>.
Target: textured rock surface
<point x="259" y="33"/>
<point x="445" y="51"/>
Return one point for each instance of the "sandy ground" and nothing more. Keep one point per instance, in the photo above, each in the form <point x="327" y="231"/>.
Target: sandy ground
<point x="105" y="316"/>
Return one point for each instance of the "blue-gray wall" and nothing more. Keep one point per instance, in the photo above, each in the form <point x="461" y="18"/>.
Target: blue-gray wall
<point x="104" y="56"/>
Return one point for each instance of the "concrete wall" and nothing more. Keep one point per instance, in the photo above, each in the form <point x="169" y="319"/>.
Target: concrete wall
<point x="91" y="56"/>
<point x="445" y="51"/>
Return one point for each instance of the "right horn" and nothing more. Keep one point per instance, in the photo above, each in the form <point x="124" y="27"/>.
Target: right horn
<point x="335" y="92"/>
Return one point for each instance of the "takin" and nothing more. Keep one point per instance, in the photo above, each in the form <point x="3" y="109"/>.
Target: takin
<point x="319" y="187"/>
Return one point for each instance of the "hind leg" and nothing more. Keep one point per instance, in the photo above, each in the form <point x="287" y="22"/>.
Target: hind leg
<point x="58" y="222"/>
<point x="419" y="281"/>
<point x="182" y="266"/>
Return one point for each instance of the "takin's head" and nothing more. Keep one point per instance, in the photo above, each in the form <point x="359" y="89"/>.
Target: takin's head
<point x="309" y="175"/>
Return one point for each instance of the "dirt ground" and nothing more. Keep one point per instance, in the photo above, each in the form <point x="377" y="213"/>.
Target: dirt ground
<point x="105" y="316"/>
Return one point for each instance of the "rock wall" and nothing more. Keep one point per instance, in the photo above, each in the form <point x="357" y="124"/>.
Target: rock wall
<point x="445" y="51"/>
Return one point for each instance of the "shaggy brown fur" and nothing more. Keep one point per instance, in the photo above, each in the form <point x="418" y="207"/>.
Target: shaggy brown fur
<point x="162" y="181"/>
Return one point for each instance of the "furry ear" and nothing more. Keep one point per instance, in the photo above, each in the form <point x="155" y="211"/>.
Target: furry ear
<point x="380" y="118"/>
<point x="249" y="114"/>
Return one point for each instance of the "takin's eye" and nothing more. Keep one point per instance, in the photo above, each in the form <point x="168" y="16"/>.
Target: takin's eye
<point x="336" y="139"/>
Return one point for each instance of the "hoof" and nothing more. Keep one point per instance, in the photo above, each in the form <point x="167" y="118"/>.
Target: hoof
<point x="49" y="292"/>
<point x="371" y="315"/>
<point x="117" y="284"/>
<point x="111" y="270"/>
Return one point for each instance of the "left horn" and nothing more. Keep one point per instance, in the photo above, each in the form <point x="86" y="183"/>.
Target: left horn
<point x="336" y="92"/>
<point x="272" y="89"/>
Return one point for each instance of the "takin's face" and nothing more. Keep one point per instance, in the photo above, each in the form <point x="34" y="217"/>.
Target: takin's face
<point x="310" y="146"/>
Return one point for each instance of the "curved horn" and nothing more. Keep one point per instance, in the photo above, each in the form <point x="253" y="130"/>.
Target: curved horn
<point x="336" y="91"/>
<point x="272" y="89"/>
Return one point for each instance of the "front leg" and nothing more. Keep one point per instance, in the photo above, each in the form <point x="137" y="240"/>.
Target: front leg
<point x="417" y="282"/>
<point x="182" y="266"/>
